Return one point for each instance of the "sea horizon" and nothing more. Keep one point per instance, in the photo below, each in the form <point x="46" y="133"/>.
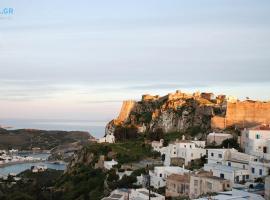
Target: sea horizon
<point x="95" y="128"/>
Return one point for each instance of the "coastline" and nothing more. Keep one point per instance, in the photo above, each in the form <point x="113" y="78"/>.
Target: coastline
<point x="19" y="162"/>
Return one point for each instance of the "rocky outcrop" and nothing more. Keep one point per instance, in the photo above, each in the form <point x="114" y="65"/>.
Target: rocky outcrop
<point x="173" y="112"/>
<point x="127" y="106"/>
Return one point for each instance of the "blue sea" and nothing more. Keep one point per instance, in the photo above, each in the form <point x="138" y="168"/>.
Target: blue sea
<point x="95" y="128"/>
<point x="18" y="168"/>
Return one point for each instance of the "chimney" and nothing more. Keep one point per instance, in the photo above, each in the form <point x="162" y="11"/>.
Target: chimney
<point x="183" y="137"/>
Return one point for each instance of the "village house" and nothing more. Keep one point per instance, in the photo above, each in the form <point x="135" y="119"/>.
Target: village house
<point x="109" y="138"/>
<point x="160" y="174"/>
<point x="217" y="138"/>
<point x="256" y="141"/>
<point x="109" y="164"/>
<point x="204" y="182"/>
<point x="186" y="150"/>
<point x="157" y="145"/>
<point x="177" y="185"/>
<point x="39" y="168"/>
<point x="228" y="164"/>
<point x="259" y="167"/>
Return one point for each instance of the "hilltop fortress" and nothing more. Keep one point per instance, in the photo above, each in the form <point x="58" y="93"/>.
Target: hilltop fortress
<point x="181" y="111"/>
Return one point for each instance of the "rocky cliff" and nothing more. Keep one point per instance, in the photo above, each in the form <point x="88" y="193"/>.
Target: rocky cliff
<point x="173" y="112"/>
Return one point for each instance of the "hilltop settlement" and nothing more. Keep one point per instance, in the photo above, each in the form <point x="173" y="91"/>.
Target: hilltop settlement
<point x="179" y="146"/>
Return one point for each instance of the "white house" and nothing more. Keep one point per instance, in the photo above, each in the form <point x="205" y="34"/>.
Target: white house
<point x="109" y="138"/>
<point x="228" y="164"/>
<point x="159" y="175"/>
<point x="39" y="168"/>
<point x="109" y="164"/>
<point x="256" y="141"/>
<point x="259" y="168"/>
<point x="186" y="149"/>
<point x="157" y="145"/>
<point x="234" y="174"/>
<point x="217" y="138"/>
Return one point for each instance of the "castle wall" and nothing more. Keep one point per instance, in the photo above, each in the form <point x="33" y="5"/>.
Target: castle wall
<point x="218" y="122"/>
<point x="243" y="114"/>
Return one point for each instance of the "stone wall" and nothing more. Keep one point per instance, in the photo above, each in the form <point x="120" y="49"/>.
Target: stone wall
<point x="243" y="114"/>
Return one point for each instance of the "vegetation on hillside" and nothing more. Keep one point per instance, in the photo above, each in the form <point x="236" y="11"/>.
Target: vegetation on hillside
<point x="26" y="139"/>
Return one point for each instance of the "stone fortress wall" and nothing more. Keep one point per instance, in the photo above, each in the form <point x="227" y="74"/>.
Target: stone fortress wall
<point x="243" y="114"/>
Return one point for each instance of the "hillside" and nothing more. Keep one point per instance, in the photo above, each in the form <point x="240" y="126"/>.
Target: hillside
<point x="26" y="139"/>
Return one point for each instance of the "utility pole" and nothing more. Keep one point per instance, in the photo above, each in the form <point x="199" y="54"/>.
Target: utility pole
<point x="149" y="185"/>
<point x="149" y="182"/>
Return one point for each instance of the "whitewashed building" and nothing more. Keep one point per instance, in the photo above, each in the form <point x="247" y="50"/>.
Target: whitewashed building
<point x="228" y="164"/>
<point x="109" y="138"/>
<point x="109" y="164"/>
<point x="217" y="138"/>
<point x="256" y="141"/>
<point x="203" y="182"/>
<point x="157" y="145"/>
<point x="159" y="175"/>
<point x="186" y="149"/>
<point x="259" y="168"/>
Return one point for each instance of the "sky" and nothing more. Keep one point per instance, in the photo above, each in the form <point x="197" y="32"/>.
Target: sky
<point x="80" y="59"/>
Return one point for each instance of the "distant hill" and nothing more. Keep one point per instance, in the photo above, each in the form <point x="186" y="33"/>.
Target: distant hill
<point x="26" y="139"/>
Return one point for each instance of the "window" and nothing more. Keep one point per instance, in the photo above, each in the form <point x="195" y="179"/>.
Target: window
<point x="212" y="154"/>
<point x="190" y="146"/>
<point x="220" y="155"/>
<point x="253" y="170"/>
<point x="244" y="166"/>
<point x="221" y="175"/>
<point x="160" y="175"/>
<point x="209" y="185"/>
<point x="257" y="136"/>
<point x="195" y="183"/>
<point x="260" y="171"/>
<point x="247" y="177"/>
<point x="229" y="164"/>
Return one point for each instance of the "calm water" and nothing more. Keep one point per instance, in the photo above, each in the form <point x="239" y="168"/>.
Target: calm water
<point x="18" y="168"/>
<point x="96" y="129"/>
